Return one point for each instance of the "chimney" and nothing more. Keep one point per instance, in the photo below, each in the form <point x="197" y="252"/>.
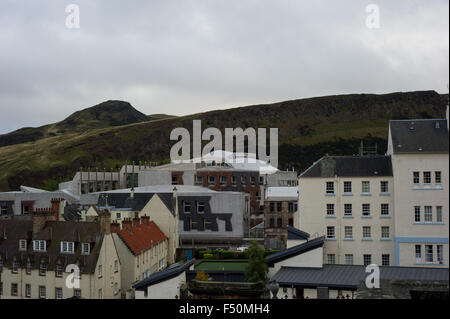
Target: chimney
<point x="115" y="227"/>
<point x="105" y="222"/>
<point x="136" y="222"/>
<point x="126" y="224"/>
<point x="145" y="220"/>
<point x="40" y="216"/>
<point x="56" y="206"/>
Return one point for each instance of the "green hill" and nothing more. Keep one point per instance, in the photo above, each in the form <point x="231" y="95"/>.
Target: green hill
<point x="308" y="128"/>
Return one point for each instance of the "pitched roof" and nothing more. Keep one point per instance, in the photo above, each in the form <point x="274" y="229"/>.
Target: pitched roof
<point x="165" y="274"/>
<point x="54" y="232"/>
<point x="419" y="136"/>
<point x="135" y="203"/>
<point x="350" y="166"/>
<point x="294" y="251"/>
<point x="296" y="234"/>
<point x="142" y="237"/>
<point x="349" y="276"/>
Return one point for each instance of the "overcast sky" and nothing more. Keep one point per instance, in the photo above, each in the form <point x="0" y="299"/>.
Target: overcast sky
<point x="181" y="57"/>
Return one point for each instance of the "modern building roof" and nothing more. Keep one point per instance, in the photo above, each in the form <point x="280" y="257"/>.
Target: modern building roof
<point x="142" y="237"/>
<point x="350" y="166"/>
<point x="295" y="251"/>
<point x="282" y="193"/>
<point x="166" y="274"/>
<point x="54" y="232"/>
<point x="296" y="234"/>
<point x="349" y="276"/>
<point x="419" y="136"/>
<point x="123" y="199"/>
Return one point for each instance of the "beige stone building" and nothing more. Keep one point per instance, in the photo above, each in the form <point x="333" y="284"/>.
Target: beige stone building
<point x="39" y="258"/>
<point x="350" y="201"/>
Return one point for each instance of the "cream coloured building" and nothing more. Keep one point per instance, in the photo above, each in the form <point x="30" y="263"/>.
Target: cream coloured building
<point x="38" y="255"/>
<point x="350" y="201"/>
<point x="419" y="151"/>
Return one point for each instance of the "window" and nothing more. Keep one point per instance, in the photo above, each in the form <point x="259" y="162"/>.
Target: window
<point x="42" y="292"/>
<point x="223" y="180"/>
<point x="384" y="209"/>
<point x="100" y="271"/>
<point x="22" y="244"/>
<point x="187" y="207"/>
<point x="13" y="289"/>
<point x="58" y="293"/>
<point x="118" y="216"/>
<point x="42" y="269"/>
<point x="366" y="232"/>
<point x="347" y="187"/>
<point x="116" y="288"/>
<point x="272" y="223"/>
<point x="28" y="290"/>
<point x="116" y="265"/>
<point x="100" y="293"/>
<point x="77" y="293"/>
<point x="67" y="247"/>
<point x="85" y="248"/>
<point x="272" y="206"/>
<point x="416" y="178"/>
<point x="385" y="232"/>
<point x="199" y="179"/>
<point x="366" y="209"/>
<point x="28" y="271"/>
<point x="348" y="232"/>
<point x="365" y="187"/>
<point x="3" y="209"/>
<point x="418" y="249"/>
<point x="330" y="188"/>
<point x="440" y="254"/>
<point x="252" y="180"/>
<point x="291" y="222"/>
<point x="385" y="259"/>
<point x="39" y="245"/>
<point x="427" y="177"/>
<point x="347" y="209"/>
<point x="428" y="216"/>
<point x="384" y="187"/>
<point x="233" y="180"/>
<point x="439" y="214"/>
<point x="330" y="232"/>
<point x="331" y="258"/>
<point x="367" y="259"/>
<point x="348" y="259"/>
<point x="212" y="180"/>
<point x="278" y="207"/>
<point x="201" y="207"/>
<point x="291" y="207"/>
<point x="330" y="209"/>
<point x="437" y="177"/>
<point x="174" y="180"/>
<point x="417" y="213"/>
<point x="243" y="180"/>
<point x="59" y="270"/>
<point x="429" y="253"/>
<point x="15" y="266"/>
<point x="279" y="222"/>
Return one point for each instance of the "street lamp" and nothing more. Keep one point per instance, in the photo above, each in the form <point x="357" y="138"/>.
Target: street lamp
<point x="273" y="287"/>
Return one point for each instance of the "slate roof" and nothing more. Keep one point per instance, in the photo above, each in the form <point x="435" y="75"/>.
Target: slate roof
<point x="296" y="234"/>
<point x="142" y="237"/>
<point x="350" y="166"/>
<point x="349" y="276"/>
<point x="419" y="136"/>
<point x="294" y="251"/>
<point x="135" y="203"/>
<point x="163" y="275"/>
<point x="54" y="232"/>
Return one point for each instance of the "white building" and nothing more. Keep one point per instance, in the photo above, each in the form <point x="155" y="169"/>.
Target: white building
<point x="349" y="200"/>
<point x="419" y="151"/>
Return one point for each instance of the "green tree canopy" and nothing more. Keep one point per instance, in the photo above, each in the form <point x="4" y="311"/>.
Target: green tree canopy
<point x="257" y="265"/>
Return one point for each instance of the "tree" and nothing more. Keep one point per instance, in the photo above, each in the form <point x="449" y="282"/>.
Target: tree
<point x="257" y="266"/>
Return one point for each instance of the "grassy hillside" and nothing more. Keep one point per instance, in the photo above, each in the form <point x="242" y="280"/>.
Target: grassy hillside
<point x="308" y="128"/>
<point x="106" y="114"/>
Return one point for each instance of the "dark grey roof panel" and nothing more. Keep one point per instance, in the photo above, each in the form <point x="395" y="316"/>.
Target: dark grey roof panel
<point x="350" y="166"/>
<point x="296" y="234"/>
<point x="294" y="251"/>
<point x="165" y="274"/>
<point x="135" y="203"/>
<point x="349" y="276"/>
<point x="419" y="136"/>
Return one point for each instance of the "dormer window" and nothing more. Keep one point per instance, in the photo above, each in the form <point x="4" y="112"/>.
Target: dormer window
<point x="22" y="244"/>
<point x="85" y="248"/>
<point x="67" y="247"/>
<point x="15" y="266"/>
<point x="59" y="270"/>
<point x="39" y="245"/>
<point x="42" y="269"/>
